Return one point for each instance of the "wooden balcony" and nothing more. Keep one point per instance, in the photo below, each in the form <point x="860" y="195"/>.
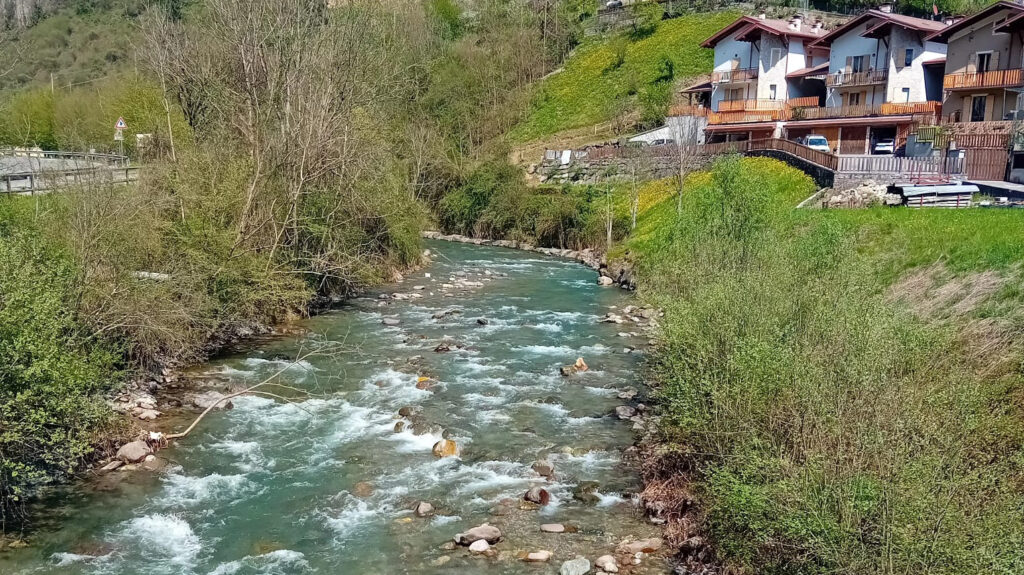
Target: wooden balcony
<point x="990" y="79"/>
<point x="744" y="116"/>
<point x="805" y="102"/>
<point x="688" y="110"/>
<point x="839" y="79"/>
<point x="930" y="108"/>
<point x="760" y="105"/>
<point x="734" y="76"/>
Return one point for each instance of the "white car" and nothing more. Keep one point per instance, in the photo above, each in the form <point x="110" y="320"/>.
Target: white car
<point x="884" y="146"/>
<point x="817" y="142"/>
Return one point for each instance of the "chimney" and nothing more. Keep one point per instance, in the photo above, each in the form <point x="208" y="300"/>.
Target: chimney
<point x="887" y="7"/>
<point x="794" y="23"/>
<point x="762" y="16"/>
<point x="818" y="24"/>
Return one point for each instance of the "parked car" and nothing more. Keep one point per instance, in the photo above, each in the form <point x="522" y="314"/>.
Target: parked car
<point x="817" y="142"/>
<point x="613" y="4"/>
<point x="662" y="142"/>
<point x="885" y="146"/>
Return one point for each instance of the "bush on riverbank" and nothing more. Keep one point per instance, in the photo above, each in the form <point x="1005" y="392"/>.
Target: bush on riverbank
<point x="831" y="429"/>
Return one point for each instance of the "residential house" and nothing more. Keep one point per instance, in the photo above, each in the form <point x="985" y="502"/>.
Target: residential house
<point x="983" y="69"/>
<point x="753" y="83"/>
<point x="884" y="78"/>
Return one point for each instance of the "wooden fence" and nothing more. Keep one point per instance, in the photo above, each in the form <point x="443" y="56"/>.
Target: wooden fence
<point x="928" y="166"/>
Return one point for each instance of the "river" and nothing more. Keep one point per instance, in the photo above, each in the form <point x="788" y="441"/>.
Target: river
<point x="325" y="484"/>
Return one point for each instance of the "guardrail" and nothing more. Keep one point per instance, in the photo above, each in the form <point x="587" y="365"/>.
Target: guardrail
<point x="91" y="157"/>
<point x="32" y="182"/>
<point x="927" y="166"/>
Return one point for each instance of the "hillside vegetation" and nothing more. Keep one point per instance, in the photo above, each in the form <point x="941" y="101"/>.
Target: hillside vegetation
<point x="831" y="421"/>
<point x="610" y="77"/>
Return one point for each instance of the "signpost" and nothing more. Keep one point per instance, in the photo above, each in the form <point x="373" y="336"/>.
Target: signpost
<point x="119" y="134"/>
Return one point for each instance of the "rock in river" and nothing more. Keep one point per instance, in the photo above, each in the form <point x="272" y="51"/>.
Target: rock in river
<point x="586" y="492"/>
<point x="624" y="412"/>
<point x="423" y="509"/>
<point x="641" y="546"/>
<point x="362" y="489"/>
<point x="607" y="564"/>
<point x="538" y="557"/>
<point x="479" y="546"/>
<point x="488" y="533"/>
<point x="577" y="566"/>
<point x="544" y="468"/>
<point x="391" y="321"/>
<point x="552" y="528"/>
<point x="134" y="452"/>
<point x="446" y="448"/>
<point x="207" y="398"/>
<point x="538" y="495"/>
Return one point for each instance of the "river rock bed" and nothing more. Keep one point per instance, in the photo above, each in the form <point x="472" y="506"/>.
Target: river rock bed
<point x="406" y="433"/>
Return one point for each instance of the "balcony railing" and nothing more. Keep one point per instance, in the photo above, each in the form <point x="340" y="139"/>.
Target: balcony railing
<point x="857" y="78"/>
<point x="743" y="116"/>
<point x="893" y="109"/>
<point x="688" y="110"/>
<point x="733" y="76"/>
<point x="761" y="105"/>
<point x="990" y="79"/>
<point x="805" y="102"/>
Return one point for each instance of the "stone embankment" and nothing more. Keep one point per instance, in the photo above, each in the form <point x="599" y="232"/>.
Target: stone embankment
<point x="621" y="275"/>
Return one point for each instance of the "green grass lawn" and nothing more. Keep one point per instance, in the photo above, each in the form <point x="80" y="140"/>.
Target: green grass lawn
<point x="589" y="90"/>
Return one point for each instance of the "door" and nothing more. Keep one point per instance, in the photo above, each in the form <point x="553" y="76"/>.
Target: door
<point x="978" y="107"/>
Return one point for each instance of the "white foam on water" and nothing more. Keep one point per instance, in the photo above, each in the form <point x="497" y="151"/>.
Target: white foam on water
<point x="168" y="536"/>
<point x="231" y="372"/>
<point x="183" y="490"/>
<point x="609" y="499"/>
<point x="249" y="454"/>
<point x="396" y="388"/>
<point x="496" y="477"/>
<point x="411" y="443"/>
<point x="603" y="391"/>
<point x="279" y="364"/>
<point x="555" y="409"/>
<point x="353" y="515"/>
<point x="440" y="520"/>
<point x="66" y="559"/>
<point x="475" y="399"/>
<point x="546" y="350"/>
<point x="275" y="562"/>
<point x="596" y="349"/>
<point x="549" y="327"/>
<point x="474" y="365"/>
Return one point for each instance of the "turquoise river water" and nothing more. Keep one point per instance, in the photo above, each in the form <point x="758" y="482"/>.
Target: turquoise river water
<point x="271" y="486"/>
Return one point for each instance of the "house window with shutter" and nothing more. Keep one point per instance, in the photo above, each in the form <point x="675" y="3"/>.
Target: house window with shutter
<point x="983" y="62"/>
<point x="908" y="57"/>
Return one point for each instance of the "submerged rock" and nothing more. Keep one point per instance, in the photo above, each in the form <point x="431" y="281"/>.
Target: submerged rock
<point x="538" y="557"/>
<point x="641" y="546"/>
<point x="485" y="532"/>
<point x="577" y="566"/>
<point x="134" y="452"/>
<point x="586" y="492"/>
<point x="552" y="528"/>
<point x="362" y="489"/>
<point x="624" y="412"/>
<point x="390" y="321"/>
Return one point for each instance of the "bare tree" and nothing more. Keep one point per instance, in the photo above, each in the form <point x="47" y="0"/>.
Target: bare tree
<point x="686" y="133"/>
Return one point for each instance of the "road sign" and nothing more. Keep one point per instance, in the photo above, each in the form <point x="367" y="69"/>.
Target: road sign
<point x="118" y="135"/>
<point x="120" y="125"/>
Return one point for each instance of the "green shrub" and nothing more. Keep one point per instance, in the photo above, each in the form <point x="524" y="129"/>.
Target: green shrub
<point x="52" y="372"/>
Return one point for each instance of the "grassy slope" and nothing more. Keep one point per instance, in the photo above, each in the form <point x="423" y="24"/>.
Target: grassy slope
<point x="588" y="92"/>
<point x="774" y="504"/>
<point x="74" y="46"/>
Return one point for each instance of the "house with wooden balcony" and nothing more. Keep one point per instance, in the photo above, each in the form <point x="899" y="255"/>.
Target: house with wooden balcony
<point x="884" y="78"/>
<point x="984" y="67"/>
<point x="762" y="67"/>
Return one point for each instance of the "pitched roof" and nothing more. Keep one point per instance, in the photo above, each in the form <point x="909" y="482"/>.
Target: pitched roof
<point x="748" y="24"/>
<point x="819" y="70"/>
<point x="944" y="34"/>
<point x="884" y="21"/>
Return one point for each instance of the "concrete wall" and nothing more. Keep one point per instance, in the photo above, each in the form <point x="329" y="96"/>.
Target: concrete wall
<point x="911" y="77"/>
<point x="689" y="129"/>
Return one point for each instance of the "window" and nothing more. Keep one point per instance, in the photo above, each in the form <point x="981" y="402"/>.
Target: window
<point x="853" y="99"/>
<point x="776" y="56"/>
<point x="773" y="91"/>
<point x="906" y="94"/>
<point x="857" y="65"/>
<point x="908" y="57"/>
<point x="978" y="108"/>
<point x="984" y="62"/>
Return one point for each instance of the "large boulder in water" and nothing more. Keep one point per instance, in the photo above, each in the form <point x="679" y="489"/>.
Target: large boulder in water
<point x="538" y="495"/>
<point x="134" y="452"/>
<point x="485" y="532"/>
<point x="210" y="398"/>
<point x="446" y="448"/>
